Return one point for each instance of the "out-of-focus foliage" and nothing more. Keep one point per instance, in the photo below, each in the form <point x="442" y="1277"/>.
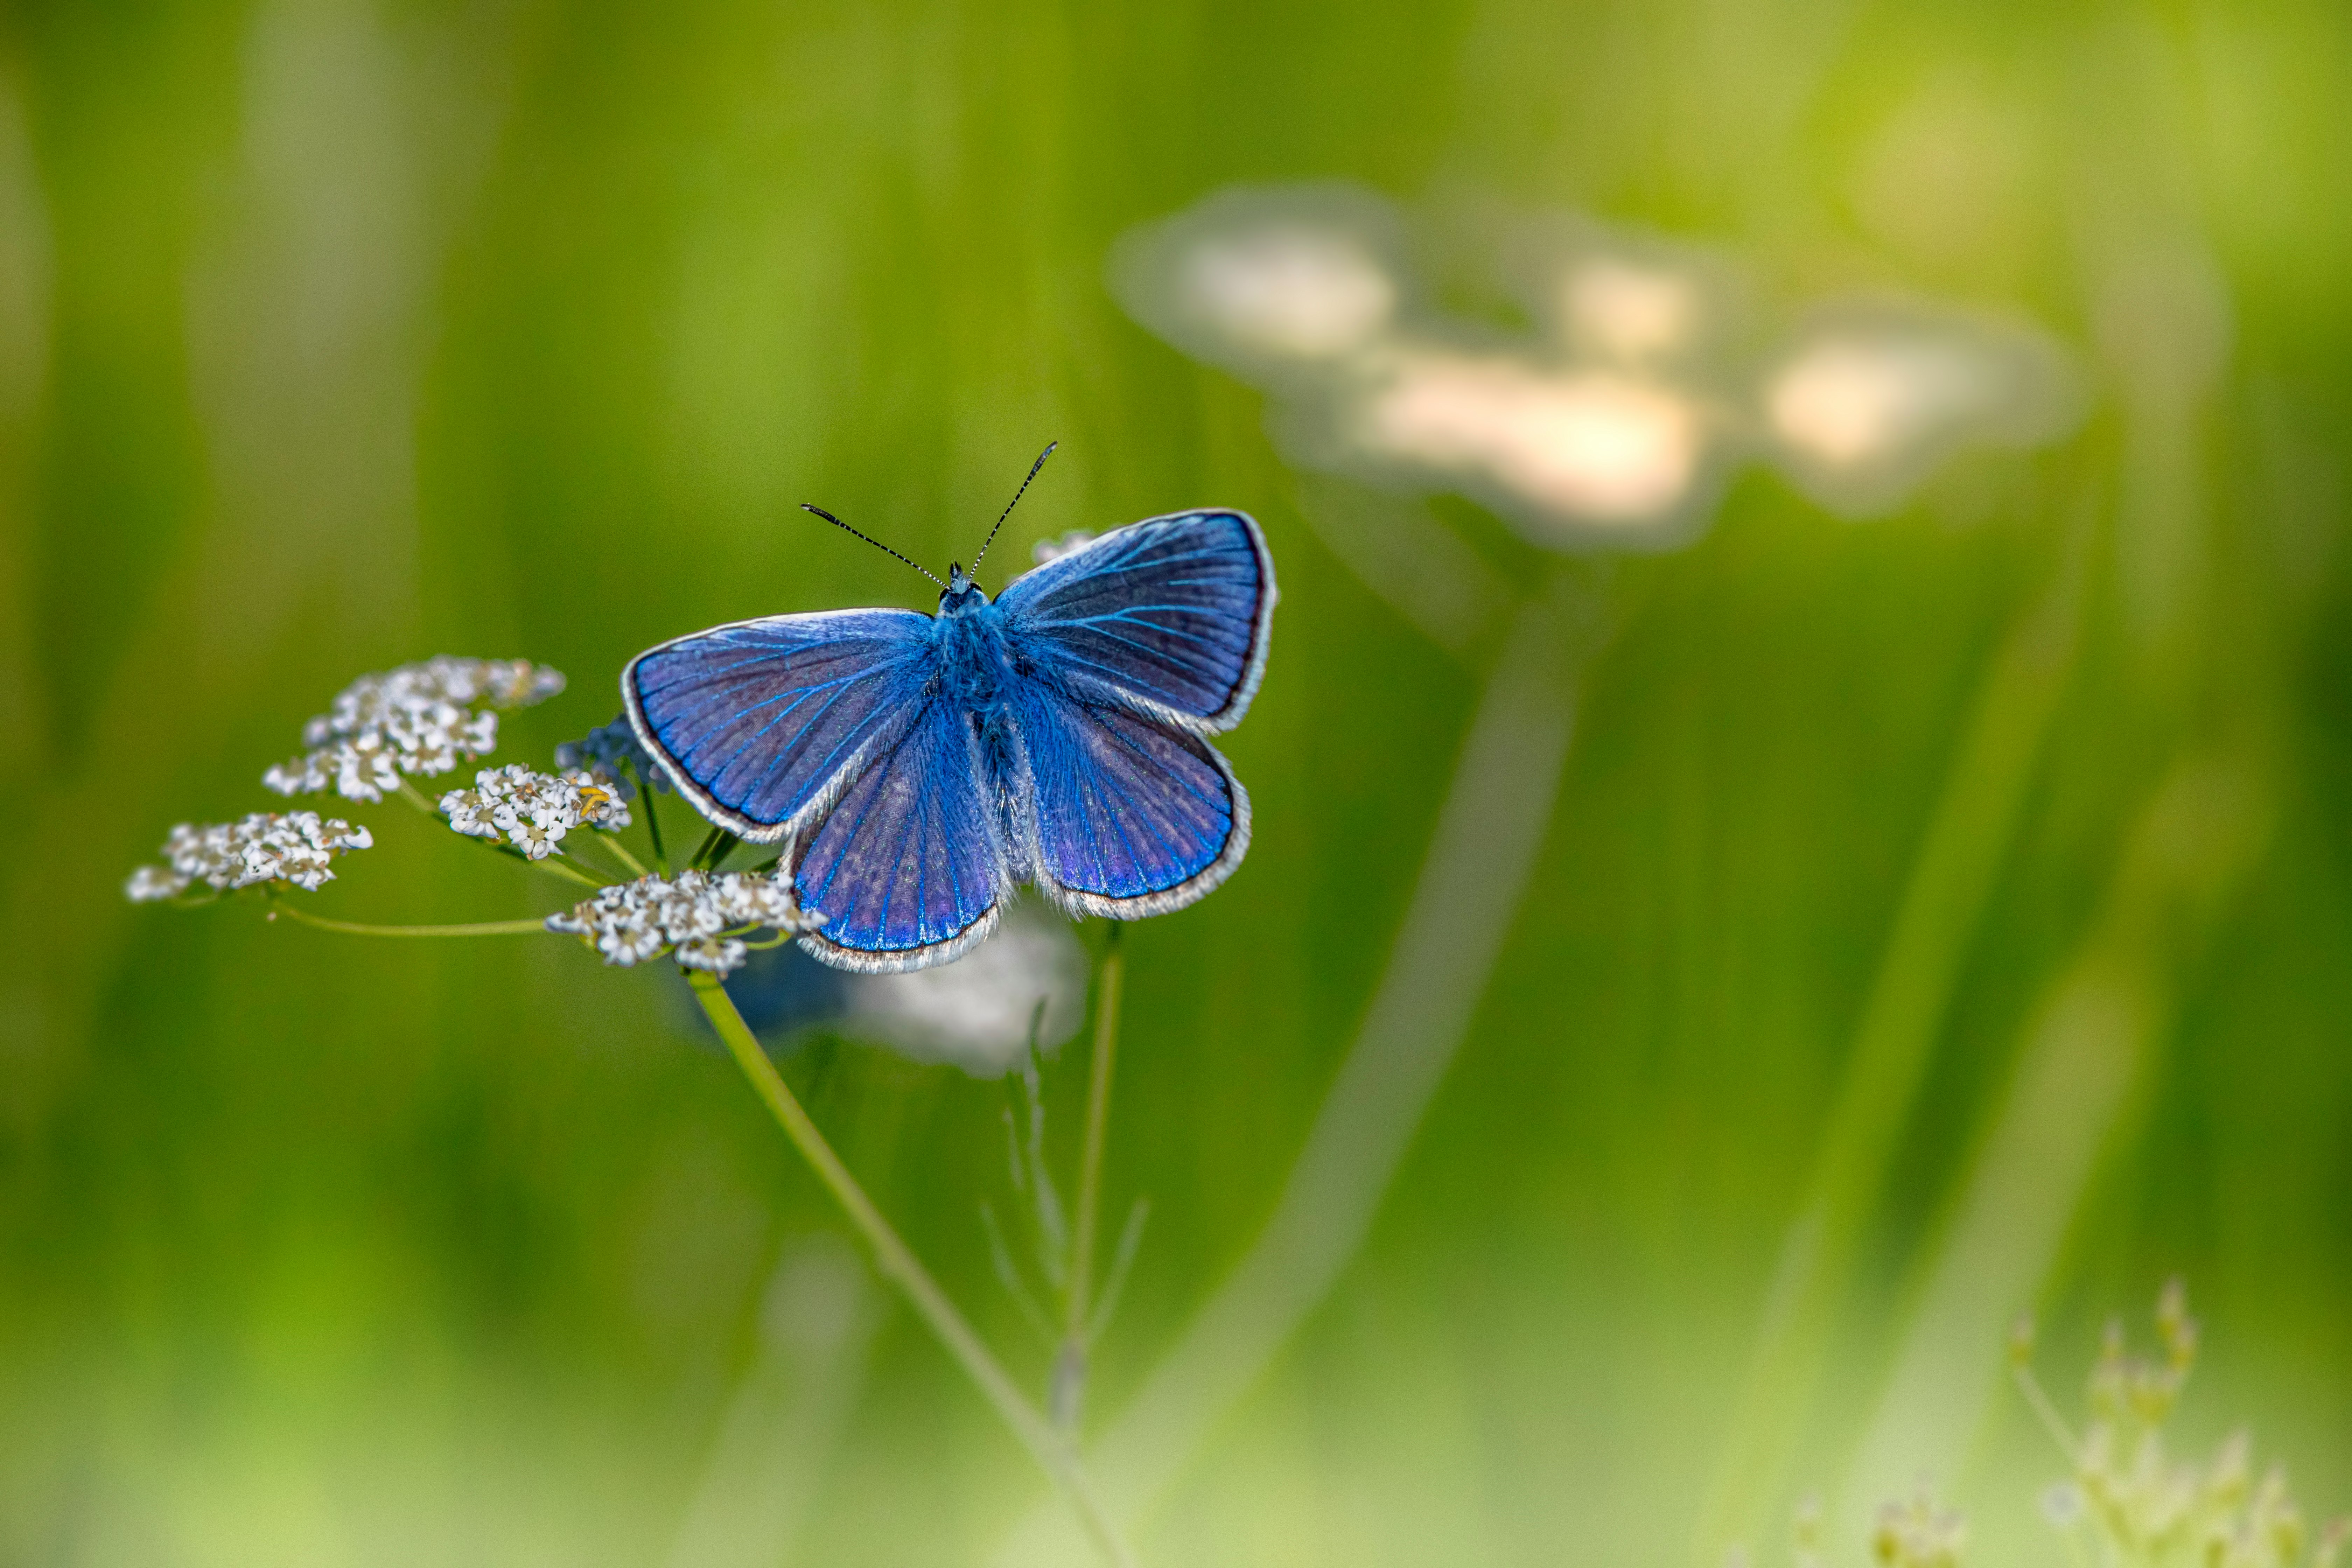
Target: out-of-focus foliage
<point x="1969" y="886"/>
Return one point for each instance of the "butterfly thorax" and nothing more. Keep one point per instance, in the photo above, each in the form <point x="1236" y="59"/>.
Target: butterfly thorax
<point x="973" y="658"/>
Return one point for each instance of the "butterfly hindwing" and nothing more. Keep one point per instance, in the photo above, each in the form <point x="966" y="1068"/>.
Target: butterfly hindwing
<point x="906" y="869"/>
<point x="1171" y="614"/>
<point x="1128" y="816"/>
<point x="762" y="721"/>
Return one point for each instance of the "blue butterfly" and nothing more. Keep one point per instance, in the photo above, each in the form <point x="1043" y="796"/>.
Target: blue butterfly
<point x="919" y="768"/>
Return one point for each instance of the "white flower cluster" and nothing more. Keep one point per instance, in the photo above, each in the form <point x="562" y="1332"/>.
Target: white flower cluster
<point x="614" y="750"/>
<point x="293" y="849"/>
<point x="532" y="810"/>
<point x="421" y="719"/>
<point x="699" y="914"/>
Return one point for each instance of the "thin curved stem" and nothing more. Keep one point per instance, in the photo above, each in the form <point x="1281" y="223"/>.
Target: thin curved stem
<point x="611" y="844"/>
<point x="355" y="928"/>
<point x="563" y="867"/>
<point x="653" y="818"/>
<point x="899" y="1264"/>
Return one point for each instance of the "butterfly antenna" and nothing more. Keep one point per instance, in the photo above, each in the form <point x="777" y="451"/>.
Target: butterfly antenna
<point x="870" y="540"/>
<point x="1010" y="504"/>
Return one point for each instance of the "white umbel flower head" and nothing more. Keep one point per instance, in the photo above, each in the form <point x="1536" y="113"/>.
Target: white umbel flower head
<point x="702" y="915"/>
<point x="531" y="810"/>
<point x="294" y="849"/>
<point x="421" y="719"/>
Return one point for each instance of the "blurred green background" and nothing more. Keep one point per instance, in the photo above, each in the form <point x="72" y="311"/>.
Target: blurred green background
<point x="335" y="335"/>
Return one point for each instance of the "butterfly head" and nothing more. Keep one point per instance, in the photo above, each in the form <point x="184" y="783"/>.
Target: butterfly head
<point x="962" y="596"/>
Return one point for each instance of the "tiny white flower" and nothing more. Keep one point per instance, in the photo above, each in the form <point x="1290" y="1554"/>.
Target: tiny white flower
<point x="536" y="842"/>
<point x="721" y="955"/>
<point x="150" y="883"/>
<point x="469" y="811"/>
<point x="630" y="942"/>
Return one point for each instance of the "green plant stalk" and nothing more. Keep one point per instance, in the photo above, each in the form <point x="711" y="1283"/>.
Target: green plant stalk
<point x="1951" y="884"/>
<point x="611" y="844"/>
<point x="481" y="928"/>
<point x="899" y="1264"/>
<point x="653" y="820"/>
<point x="1070" y="1365"/>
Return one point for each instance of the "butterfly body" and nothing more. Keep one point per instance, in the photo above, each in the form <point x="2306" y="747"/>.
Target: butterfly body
<point x="919" y="768"/>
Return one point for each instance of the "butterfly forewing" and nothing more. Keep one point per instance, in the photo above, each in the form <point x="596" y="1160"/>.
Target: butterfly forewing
<point x="758" y="722"/>
<point x="1173" y="611"/>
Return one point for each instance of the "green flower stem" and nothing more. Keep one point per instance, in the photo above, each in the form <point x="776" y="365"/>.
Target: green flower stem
<point x="1070" y="1365"/>
<point x="2047" y="1413"/>
<point x="1903" y="1019"/>
<point x="481" y="927"/>
<point x="418" y="798"/>
<point x="899" y="1264"/>
<point x="716" y="846"/>
<point x="612" y="845"/>
<point x="653" y="818"/>
<point x="553" y="866"/>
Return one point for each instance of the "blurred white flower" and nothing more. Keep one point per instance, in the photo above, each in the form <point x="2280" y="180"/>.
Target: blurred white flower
<point x="531" y="810"/>
<point x="1289" y="283"/>
<point x="976" y="1012"/>
<point x="1597" y="446"/>
<point x="1047" y="549"/>
<point x="1292" y="288"/>
<point x="973" y="1013"/>
<point x="1919" y="1533"/>
<point x="420" y="718"/>
<point x="2062" y="1504"/>
<point x="294" y="849"/>
<point x="614" y="752"/>
<point x="700" y="914"/>
<point x="1613" y="424"/>
<point x="1628" y="310"/>
<point x="1867" y="400"/>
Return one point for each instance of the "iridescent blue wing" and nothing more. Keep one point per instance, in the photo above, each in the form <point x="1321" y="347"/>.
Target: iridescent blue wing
<point x="763" y="723"/>
<point x="906" y="869"/>
<point x="1127" y="814"/>
<point x="1170" y="615"/>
